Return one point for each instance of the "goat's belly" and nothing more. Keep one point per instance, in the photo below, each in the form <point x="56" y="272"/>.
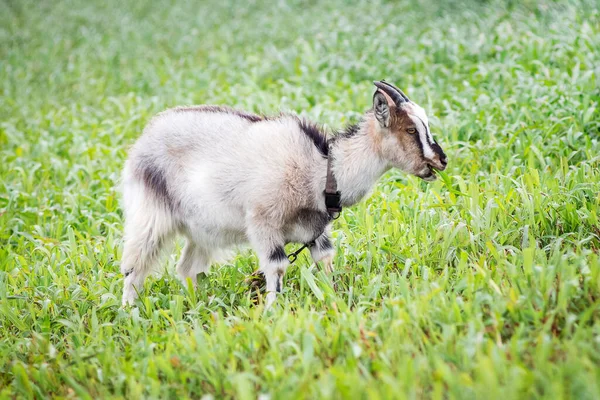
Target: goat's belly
<point x="214" y="225"/>
<point x="300" y="234"/>
<point x="215" y="236"/>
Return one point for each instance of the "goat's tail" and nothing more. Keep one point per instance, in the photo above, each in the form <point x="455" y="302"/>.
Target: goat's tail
<point x="148" y="224"/>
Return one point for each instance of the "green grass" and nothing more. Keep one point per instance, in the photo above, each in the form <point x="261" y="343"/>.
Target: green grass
<point x="484" y="284"/>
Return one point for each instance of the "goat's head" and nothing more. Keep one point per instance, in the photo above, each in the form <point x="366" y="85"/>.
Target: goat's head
<point x="406" y="141"/>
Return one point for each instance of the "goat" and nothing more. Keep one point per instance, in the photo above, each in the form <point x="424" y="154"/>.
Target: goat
<point x="222" y="177"/>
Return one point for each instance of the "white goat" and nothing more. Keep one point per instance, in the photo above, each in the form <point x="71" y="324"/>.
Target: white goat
<point x="222" y="177"/>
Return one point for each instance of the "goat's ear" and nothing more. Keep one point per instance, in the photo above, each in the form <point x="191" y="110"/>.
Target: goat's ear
<point x="381" y="107"/>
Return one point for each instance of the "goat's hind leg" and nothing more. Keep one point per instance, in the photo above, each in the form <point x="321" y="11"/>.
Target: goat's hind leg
<point x="140" y="256"/>
<point x="194" y="260"/>
<point x="148" y="225"/>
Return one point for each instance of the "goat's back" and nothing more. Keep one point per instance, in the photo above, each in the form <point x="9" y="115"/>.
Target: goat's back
<point x="201" y="158"/>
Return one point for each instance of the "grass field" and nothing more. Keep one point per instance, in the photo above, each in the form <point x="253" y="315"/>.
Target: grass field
<point x="483" y="284"/>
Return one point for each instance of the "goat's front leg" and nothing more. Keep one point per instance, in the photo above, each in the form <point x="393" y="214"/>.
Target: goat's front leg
<point x="273" y="261"/>
<point x="322" y="250"/>
<point x="274" y="268"/>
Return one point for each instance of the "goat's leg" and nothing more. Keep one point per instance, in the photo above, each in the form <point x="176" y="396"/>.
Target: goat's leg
<point x="148" y="225"/>
<point x="269" y="246"/>
<point x="140" y="255"/>
<point x="193" y="261"/>
<point x="273" y="263"/>
<point x="322" y="251"/>
<point x="273" y="266"/>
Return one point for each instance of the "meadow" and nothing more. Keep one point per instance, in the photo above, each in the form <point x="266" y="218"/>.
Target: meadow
<point x="483" y="284"/>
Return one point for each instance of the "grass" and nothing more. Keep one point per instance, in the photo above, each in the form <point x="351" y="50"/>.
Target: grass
<point x="484" y="284"/>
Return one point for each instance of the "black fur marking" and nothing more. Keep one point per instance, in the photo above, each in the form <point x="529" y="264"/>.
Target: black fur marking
<point x="249" y="117"/>
<point x="155" y="180"/>
<point x="278" y="285"/>
<point x="436" y="148"/>
<point x="315" y="134"/>
<point x="277" y="254"/>
<point x="420" y="145"/>
<point x="311" y="220"/>
<point x="351" y="130"/>
<point x="348" y="132"/>
<point x="280" y="273"/>
<point x="222" y="109"/>
<point x="323" y="243"/>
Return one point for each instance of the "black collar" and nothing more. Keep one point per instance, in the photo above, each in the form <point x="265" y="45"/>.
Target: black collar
<point x="333" y="201"/>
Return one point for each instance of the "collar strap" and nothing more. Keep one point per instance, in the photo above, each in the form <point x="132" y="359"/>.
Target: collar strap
<point x="333" y="198"/>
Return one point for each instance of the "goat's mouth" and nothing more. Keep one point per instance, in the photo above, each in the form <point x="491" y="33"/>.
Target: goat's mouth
<point x="429" y="175"/>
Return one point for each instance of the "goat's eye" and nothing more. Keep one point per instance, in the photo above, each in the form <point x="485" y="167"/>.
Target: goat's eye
<point x="411" y="130"/>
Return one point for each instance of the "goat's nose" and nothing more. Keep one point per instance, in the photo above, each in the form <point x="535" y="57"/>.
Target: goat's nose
<point x="441" y="163"/>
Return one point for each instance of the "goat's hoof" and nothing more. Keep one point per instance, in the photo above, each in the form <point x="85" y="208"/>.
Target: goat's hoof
<point x="257" y="285"/>
<point x="127" y="302"/>
<point x="256" y="281"/>
<point x="271" y="296"/>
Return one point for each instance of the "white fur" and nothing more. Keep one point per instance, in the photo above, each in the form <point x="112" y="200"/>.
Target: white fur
<point x="419" y="117"/>
<point x="235" y="182"/>
<point x="222" y="178"/>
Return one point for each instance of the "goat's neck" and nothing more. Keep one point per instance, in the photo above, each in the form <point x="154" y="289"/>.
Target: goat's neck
<point x="357" y="163"/>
